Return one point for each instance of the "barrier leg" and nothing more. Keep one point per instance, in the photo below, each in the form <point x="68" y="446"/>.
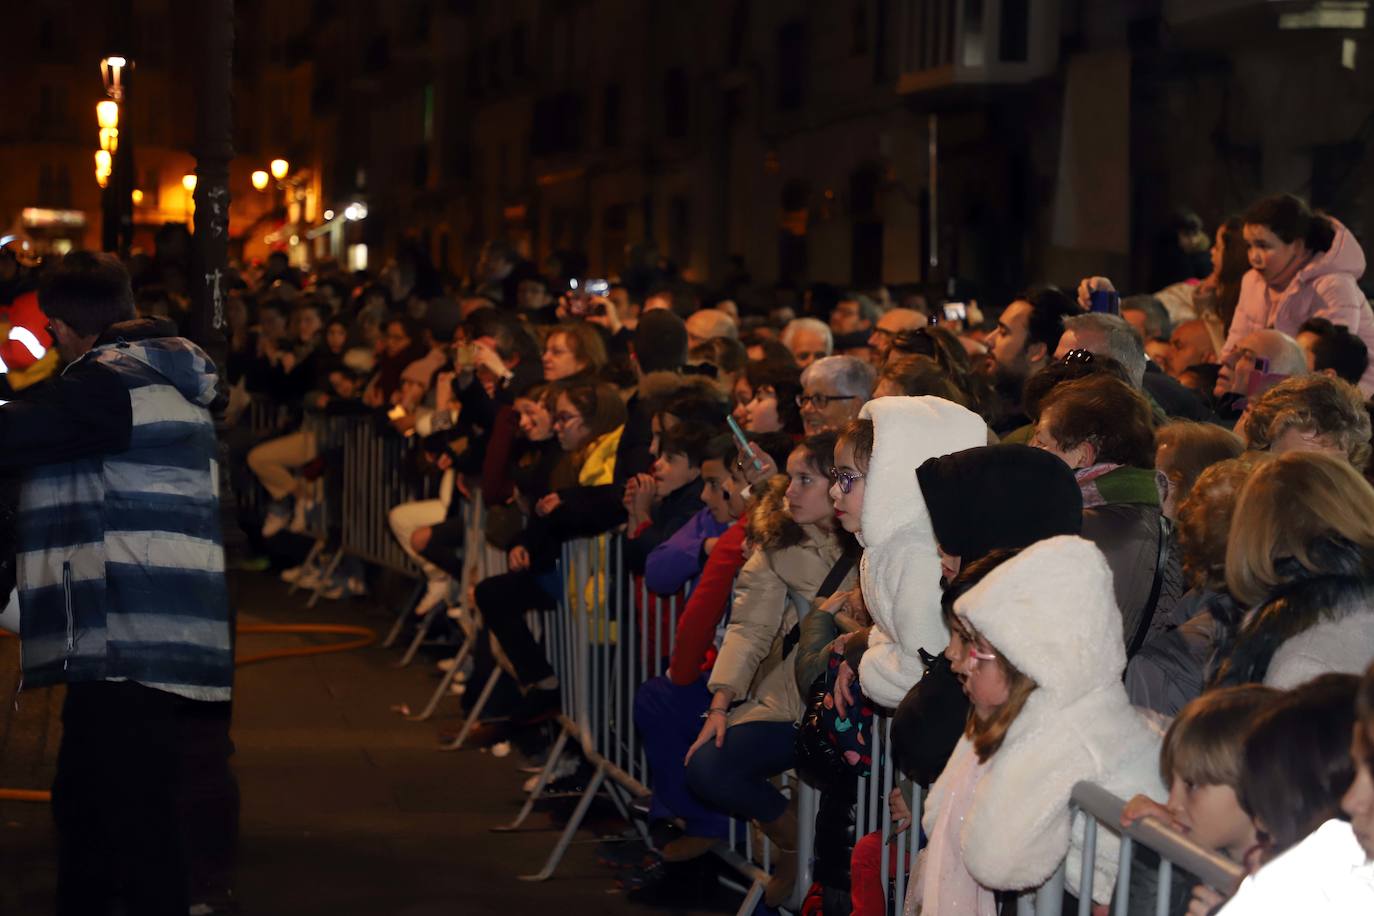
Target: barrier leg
<point x="325" y="576"/>
<point x="442" y="690"/>
<point x="571" y="829"/>
<point x="476" y="714"/>
<point x="545" y="776"/>
<point x="420" y="633"/>
<point x="752" y="899"/>
<point x="315" y="550"/>
<point x="401" y="618"/>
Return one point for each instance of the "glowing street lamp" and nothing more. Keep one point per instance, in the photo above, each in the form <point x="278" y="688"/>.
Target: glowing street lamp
<point x="112" y="72"/>
<point x="103" y="163"/>
<point x="260" y="180"/>
<point x="188" y="182"/>
<point x="280" y="168"/>
<point x="107" y="113"/>
<point x="137" y="197"/>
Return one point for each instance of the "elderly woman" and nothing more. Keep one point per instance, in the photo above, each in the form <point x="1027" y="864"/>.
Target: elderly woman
<point x="833" y="390"/>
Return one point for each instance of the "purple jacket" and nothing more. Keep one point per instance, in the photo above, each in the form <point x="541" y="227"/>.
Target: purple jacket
<point x="675" y="562"/>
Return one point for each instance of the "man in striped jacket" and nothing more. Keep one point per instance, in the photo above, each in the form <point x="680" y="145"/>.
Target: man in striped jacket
<point x="122" y="594"/>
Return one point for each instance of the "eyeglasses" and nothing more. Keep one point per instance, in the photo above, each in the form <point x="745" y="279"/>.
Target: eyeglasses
<point x="821" y="400"/>
<point x="844" y="479"/>
<point x="1078" y="357"/>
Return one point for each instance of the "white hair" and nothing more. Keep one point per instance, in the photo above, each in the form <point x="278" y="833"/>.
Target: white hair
<point x="849" y="375"/>
<point x="797" y="325"/>
<point x="1119" y="338"/>
<point x="721" y="324"/>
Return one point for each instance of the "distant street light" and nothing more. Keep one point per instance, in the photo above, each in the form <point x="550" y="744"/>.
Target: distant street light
<point x="103" y="164"/>
<point x="107" y="113"/>
<point x="260" y="180"/>
<point x="280" y="168"/>
<point x="112" y="72"/>
<point x="137" y="197"/>
<point x="355" y="211"/>
<point x="188" y="182"/>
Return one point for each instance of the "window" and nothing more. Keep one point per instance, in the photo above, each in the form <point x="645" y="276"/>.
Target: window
<point x="610" y="116"/>
<point x="792" y="66"/>
<point x="675" y="103"/>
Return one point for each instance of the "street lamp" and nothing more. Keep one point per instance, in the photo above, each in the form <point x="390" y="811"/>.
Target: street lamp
<point x="103" y="162"/>
<point x="188" y="181"/>
<point x="260" y="180"/>
<point x="137" y="197"/>
<point x="112" y="72"/>
<point x="280" y="168"/>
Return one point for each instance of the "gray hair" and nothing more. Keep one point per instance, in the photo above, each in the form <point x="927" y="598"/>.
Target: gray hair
<point x="868" y="309"/>
<point x="797" y="325"/>
<point x="1119" y="339"/>
<point x="849" y="375"/>
<point x="1157" y="324"/>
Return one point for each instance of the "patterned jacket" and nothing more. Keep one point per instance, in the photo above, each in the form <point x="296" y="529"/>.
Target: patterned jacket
<point x="121" y="563"/>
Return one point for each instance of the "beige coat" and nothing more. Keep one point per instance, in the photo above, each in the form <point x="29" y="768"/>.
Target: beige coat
<point x="774" y="589"/>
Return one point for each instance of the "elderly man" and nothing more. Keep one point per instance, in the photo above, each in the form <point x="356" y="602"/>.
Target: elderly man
<point x="1190" y="345"/>
<point x="708" y="323"/>
<point x="1111" y="335"/>
<point x="889" y="326"/>
<point x="833" y="390"/>
<point x="808" y="339"/>
<point x="1313" y="413"/>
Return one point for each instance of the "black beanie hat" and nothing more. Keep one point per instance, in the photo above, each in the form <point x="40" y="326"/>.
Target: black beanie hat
<point x="999" y="497"/>
<point x="660" y="341"/>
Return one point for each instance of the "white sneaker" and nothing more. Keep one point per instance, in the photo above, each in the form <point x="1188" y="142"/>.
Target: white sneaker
<point x="457" y="689"/>
<point x="465" y="621"/>
<point x="274" y="525"/>
<point x="435" y="593"/>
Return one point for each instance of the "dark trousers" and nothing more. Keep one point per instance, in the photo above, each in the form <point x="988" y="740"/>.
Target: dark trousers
<point x="445" y="547"/>
<point x="503" y="601"/>
<point x="145" y="805"/>
<point x="668" y="718"/>
<point x="735" y="777"/>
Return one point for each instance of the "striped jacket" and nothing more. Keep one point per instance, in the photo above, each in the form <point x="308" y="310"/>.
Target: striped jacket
<point x="121" y="563"/>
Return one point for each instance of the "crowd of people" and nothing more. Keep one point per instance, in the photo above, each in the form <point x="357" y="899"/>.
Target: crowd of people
<point x="1073" y="537"/>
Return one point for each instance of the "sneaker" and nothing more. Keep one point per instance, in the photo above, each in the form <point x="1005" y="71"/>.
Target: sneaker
<point x="435" y="593"/>
<point x="355" y="586"/>
<point x="457" y="689"/>
<point x="445" y="665"/>
<point x="566" y="766"/>
<point x="463" y="619"/>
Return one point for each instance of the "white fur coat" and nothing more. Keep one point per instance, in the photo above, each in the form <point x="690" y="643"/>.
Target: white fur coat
<point x="900" y="570"/>
<point x="1052" y="613"/>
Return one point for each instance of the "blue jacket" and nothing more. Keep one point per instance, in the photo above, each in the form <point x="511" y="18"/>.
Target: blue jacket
<point x="678" y="559"/>
<point x="121" y="563"/>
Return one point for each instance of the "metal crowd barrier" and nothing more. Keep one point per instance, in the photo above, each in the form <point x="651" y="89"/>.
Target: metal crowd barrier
<point x="872" y="812"/>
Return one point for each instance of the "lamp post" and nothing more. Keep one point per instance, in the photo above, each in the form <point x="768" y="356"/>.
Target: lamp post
<point x="117" y="161"/>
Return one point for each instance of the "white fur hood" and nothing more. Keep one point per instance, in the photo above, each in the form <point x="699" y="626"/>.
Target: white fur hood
<point x="1051" y="612"/>
<point x="900" y="570"/>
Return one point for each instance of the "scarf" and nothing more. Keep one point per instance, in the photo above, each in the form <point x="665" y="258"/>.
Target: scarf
<point x="1114" y="484"/>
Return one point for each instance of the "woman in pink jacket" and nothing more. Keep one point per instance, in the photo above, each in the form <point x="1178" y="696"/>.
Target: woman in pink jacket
<point x="1303" y="265"/>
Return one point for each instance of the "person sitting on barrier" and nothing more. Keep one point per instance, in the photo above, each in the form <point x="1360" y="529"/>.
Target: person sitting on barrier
<point x="402" y="343"/>
<point x="587" y="420"/>
<point x="1174" y="663"/>
<point x="747" y="737"/>
<point x="665" y="546"/>
<point x="1313" y="861"/>
<point x="1301" y="556"/>
<point x="1050" y="614"/>
<point x="668" y="708"/>
<point x="1201" y="761"/>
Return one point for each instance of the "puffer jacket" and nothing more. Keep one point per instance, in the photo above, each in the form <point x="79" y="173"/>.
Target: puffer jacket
<point x="1325" y="287"/>
<point x="1051" y="613"/>
<point x="121" y="563"/>
<point x="900" y="570"/>
<point x="774" y="590"/>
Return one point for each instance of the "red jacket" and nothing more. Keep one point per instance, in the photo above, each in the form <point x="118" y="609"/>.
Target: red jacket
<point x="696" y="627"/>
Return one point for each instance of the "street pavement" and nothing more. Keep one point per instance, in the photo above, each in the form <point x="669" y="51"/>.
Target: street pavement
<point x="347" y="807"/>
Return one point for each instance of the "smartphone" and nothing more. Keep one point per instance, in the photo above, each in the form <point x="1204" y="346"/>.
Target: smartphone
<point x="955" y="311"/>
<point x="1105" y="301"/>
<point x="464" y="356"/>
<point x="745" y="445"/>
<point x="583" y="291"/>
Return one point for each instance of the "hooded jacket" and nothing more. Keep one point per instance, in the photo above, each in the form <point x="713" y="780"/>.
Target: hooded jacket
<point x="900" y="569"/>
<point x="1051" y="613"/>
<point x="1325" y="287"/>
<point x="774" y="590"/>
<point x="121" y="563"/>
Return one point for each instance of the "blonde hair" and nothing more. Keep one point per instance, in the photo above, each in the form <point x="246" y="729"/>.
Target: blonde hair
<point x="1285" y="507"/>
<point x="1204" y="519"/>
<point x="988" y="734"/>
<point x="1205" y="744"/>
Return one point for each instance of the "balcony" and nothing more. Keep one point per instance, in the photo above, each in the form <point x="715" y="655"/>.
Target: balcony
<point x="952" y="43"/>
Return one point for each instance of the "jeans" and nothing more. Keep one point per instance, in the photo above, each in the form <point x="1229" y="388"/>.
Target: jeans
<point x="145" y="805"/>
<point x="668" y="718"/>
<point x="735" y="777"/>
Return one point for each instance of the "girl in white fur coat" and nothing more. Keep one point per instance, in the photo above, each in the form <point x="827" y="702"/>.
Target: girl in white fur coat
<point x="1047" y="621"/>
